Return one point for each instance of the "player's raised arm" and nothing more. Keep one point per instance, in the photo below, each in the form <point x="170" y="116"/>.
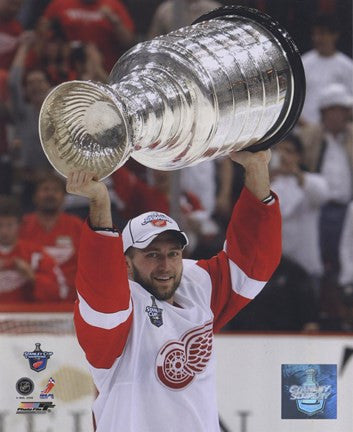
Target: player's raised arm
<point x="103" y="311"/>
<point x="83" y="184"/>
<point x="257" y="176"/>
<point x="253" y="242"/>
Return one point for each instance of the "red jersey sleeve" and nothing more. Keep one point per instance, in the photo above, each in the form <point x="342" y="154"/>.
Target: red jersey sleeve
<point x="251" y="254"/>
<point x="103" y="311"/>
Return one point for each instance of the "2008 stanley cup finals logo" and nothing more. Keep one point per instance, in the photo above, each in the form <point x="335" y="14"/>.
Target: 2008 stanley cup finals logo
<point x="37" y="359"/>
<point x="309" y="391"/>
<point x="154" y="313"/>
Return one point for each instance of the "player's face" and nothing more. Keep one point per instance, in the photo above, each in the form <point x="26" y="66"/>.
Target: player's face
<point x="9" y="227"/>
<point x="158" y="268"/>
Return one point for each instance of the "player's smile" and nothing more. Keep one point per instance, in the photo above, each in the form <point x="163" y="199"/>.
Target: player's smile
<point x="163" y="278"/>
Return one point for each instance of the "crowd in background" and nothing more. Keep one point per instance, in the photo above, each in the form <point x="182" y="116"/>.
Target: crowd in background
<point x="46" y="42"/>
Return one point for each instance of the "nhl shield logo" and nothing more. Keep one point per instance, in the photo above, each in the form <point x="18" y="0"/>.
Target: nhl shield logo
<point x="154" y="313"/>
<point x="37" y="359"/>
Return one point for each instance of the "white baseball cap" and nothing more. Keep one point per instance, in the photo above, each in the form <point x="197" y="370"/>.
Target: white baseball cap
<point x="140" y="231"/>
<point x="335" y="95"/>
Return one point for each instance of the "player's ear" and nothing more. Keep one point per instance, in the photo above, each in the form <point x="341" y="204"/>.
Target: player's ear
<point x="129" y="266"/>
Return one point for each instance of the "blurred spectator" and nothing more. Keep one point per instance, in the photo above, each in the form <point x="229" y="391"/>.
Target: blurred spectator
<point x="27" y="273"/>
<point x="64" y="60"/>
<point x="6" y="170"/>
<point x="301" y="195"/>
<point x="329" y="151"/>
<point x="173" y="14"/>
<point x="346" y="250"/>
<point x="4" y="110"/>
<point x="230" y="181"/>
<point x="324" y="65"/>
<point x="201" y="181"/>
<point x="10" y="30"/>
<point x="50" y="53"/>
<point x="79" y="205"/>
<point x="286" y="303"/>
<point x="338" y="296"/>
<point x="104" y="23"/>
<point x="86" y="62"/>
<point x="139" y="197"/>
<point x="211" y="181"/>
<point x="57" y="232"/>
<point x="30" y="12"/>
<point x="346" y="271"/>
<point x="27" y="92"/>
<point x="346" y="323"/>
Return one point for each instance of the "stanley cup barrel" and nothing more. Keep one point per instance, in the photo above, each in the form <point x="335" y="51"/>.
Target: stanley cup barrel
<point x="231" y="81"/>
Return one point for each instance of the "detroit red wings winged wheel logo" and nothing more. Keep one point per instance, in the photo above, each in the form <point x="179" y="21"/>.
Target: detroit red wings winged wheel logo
<point x="178" y="362"/>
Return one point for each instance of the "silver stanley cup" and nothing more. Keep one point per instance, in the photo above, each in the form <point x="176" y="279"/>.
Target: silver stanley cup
<point x="231" y="81"/>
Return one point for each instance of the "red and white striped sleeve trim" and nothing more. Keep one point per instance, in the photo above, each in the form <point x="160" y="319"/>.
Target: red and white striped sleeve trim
<point x="102" y="346"/>
<point x="102" y="320"/>
<point x="242" y="284"/>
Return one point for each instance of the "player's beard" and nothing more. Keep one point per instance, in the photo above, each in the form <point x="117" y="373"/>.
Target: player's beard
<point x="152" y="287"/>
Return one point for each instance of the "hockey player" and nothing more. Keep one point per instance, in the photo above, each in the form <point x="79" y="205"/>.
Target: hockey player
<point x="145" y="317"/>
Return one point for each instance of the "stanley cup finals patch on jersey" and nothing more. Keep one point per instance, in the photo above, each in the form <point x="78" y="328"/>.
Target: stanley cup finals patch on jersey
<point x="154" y="313"/>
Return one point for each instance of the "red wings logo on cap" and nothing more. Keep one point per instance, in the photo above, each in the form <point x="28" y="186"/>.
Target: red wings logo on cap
<point x="157" y="219"/>
<point x="178" y="362"/>
<point x="158" y="222"/>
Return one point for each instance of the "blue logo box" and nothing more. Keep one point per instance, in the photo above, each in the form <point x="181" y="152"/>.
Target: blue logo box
<point x="309" y="391"/>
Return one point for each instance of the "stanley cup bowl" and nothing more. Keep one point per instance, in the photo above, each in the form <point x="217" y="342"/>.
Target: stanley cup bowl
<point x="231" y="81"/>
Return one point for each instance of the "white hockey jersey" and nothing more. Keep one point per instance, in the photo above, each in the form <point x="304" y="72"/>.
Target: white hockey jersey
<point x="152" y="362"/>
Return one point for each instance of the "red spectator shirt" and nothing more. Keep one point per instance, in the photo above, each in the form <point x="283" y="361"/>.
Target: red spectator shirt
<point x="84" y="22"/>
<point x="3" y="98"/>
<point x="9" y="33"/>
<point x="61" y="243"/>
<point x="139" y="197"/>
<point x="15" y="288"/>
